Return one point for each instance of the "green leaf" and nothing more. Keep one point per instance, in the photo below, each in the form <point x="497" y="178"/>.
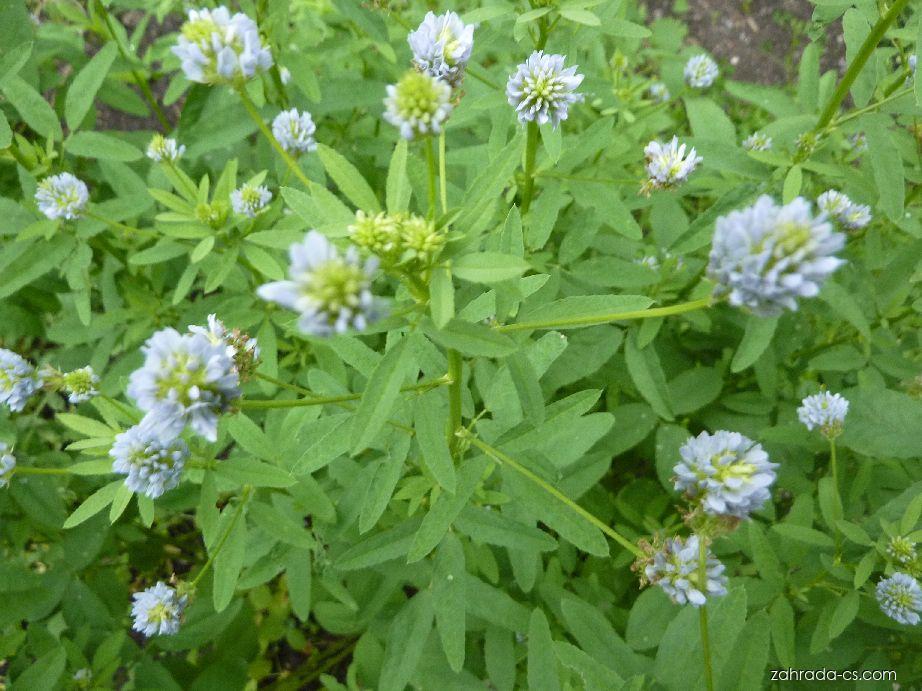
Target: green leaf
<point x="448" y="591"/>
<point x="887" y="164"/>
<point x="429" y="418"/>
<point x="441" y="296"/>
<point x="86" y="426"/>
<point x="348" y="179"/>
<point x="379" y="548"/>
<point x="580" y="16"/>
<point x="854" y="533"/>
<point x="882" y="423"/>
<point x="598" y="638"/>
<point x="542" y="662"/>
<point x="298" y="579"/>
<point x="398" y="184"/>
<point x="496" y="528"/>
<point x="830" y="504"/>
<point x="251" y="438"/>
<point x="474" y="340"/>
<point x="588" y="309"/>
<point x="800" y="533"/>
<point x="229" y="561"/>
<point x="757" y="337"/>
<point x="83" y="88"/>
<point x="33" y="109"/>
<point x="120" y="503"/>
<point x="381" y="489"/>
<point x="621" y="28"/>
<point x="647" y="374"/>
<point x="45" y="672"/>
<point x="793" y="181"/>
<point x="407" y="636"/>
<point x="102" y="146"/>
<point x="488" y="267"/>
<point x="379" y="396"/>
<point x="14" y="60"/>
<point x="248" y="471"/>
<point x="95" y="503"/>
<point x="844" y="614"/>
<point x="781" y="616"/>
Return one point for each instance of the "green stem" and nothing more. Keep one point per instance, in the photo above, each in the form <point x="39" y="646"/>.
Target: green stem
<point x="593" y="320"/>
<point x="430" y="167"/>
<point x="531" y="150"/>
<point x="454" y="398"/>
<point x="115" y="224"/>
<point x="27" y="470"/>
<point x="854" y="69"/>
<point x="507" y="460"/>
<point x="283" y="384"/>
<point x="833" y="464"/>
<point x="267" y="133"/>
<point x="703" y="613"/>
<point x="906" y="74"/>
<point x="443" y="177"/>
<point x="874" y="106"/>
<point x="579" y="178"/>
<point x="323" y="400"/>
<point x="247" y="491"/>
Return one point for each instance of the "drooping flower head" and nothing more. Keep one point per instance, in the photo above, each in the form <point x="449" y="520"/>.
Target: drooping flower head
<point x="165" y="149"/>
<point x="7" y="464"/>
<point x="442" y="46"/>
<point x="240" y="347"/>
<point x="294" y="129"/>
<point x="901" y="549"/>
<point x="418" y="104"/>
<point x="659" y="92"/>
<point x="153" y="464"/>
<point x="840" y="207"/>
<point x="331" y="291"/>
<point x="62" y="196"/>
<point x="726" y="473"/>
<point x="757" y="141"/>
<point x="541" y="89"/>
<point x="249" y="200"/>
<point x="158" y="610"/>
<point x="825" y="411"/>
<point x="185" y="379"/>
<point x="668" y="165"/>
<point x="217" y="47"/>
<point x="675" y="569"/>
<point x="766" y="256"/>
<point x="900" y="598"/>
<point x="18" y="380"/>
<point x="701" y="71"/>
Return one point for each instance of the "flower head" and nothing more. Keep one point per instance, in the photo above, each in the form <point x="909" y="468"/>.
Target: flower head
<point x="659" y="92"/>
<point x="419" y="240"/>
<point x="158" y="610"/>
<point x="757" y="141"/>
<point x="240" y="347"/>
<point x="152" y="463"/>
<point x="186" y="378"/>
<point x="62" y="196"/>
<point x="541" y="89"/>
<point x="249" y="200"/>
<point x="901" y="549"/>
<point x="668" y="165"/>
<point x="7" y="464"/>
<point x="838" y="206"/>
<point x="766" y="256"/>
<point x="676" y="569"/>
<point x="332" y="291"/>
<point x="418" y="104"/>
<point x="80" y="384"/>
<point x="18" y="380"/>
<point x="824" y="410"/>
<point x="294" y="129"/>
<point x="376" y="234"/>
<point x="701" y="71"/>
<point x="217" y="47"/>
<point x="442" y="46"/>
<point x="164" y="149"/>
<point x="900" y="598"/>
<point x="913" y="59"/>
<point x="727" y="473"/>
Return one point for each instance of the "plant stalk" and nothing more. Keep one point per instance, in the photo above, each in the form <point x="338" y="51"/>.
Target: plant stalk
<point x="443" y="177"/>
<point x="531" y="150"/>
<point x="430" y="167"/>
<point x="247" y="491"/>
<point x="454" y="398"/>
<point x="703" y="614"/>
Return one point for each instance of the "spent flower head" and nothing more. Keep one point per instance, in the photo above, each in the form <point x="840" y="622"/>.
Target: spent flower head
<point x="7" y="464"/>
<point x="668" y="165"/>
<point x="240" y="347"/>
<point x="164" y="149"/>
<point x="18" y="380"/>
<point x="757" y="141"/>
<point x="900" y="598"/>
<point x="725" y="473"/>
<point x="825" y="411"/>
<point x="766" y="256"/>
<point x="331" y="291"/>
<point x="250" y="200"/>
<point x="217" y="47"/>
<point x="185" y="379"/>
<point x="418" y="104"/>
<point x="901" y="549"/>
<point x="62" y="196"/>
<point x="701" y="71"/>
<point x="675" y="567"/>
<point x="442" y="46"/>
<point x="158" y="610"/>
<point x="152" y="463"/>
<point x="541" y="89"/>
<point x="294" y="129"/>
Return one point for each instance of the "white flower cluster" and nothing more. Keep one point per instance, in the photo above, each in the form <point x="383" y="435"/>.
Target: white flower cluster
<point x="668" y="165"/>
<point x="18" y="380"/>
<point x="541" y="89"/>
<point x="757" y="141"/>
<point x="726" y="473"/>
<point x="825" y="411"/>
<point x="217" y="47"/>
<point x="766" y="256"/>
<point x="165" y="149"/>
<point x="7" y="464"/>
<point x="418" y="104"/>
<point x="900" y="598"/>
<point x="158" y="610"/>
<point x="332" y="292"/>
<point x="249" y="200"/>
<point x="294" y="130"/>
<point x="837" y="205"/>
<point x="676" y="569"/>
<point x="442" y="46"/>
<point x="659" y="92"/>
<point x="62" y="196"/>
<point x="701" y="71"/>
<point x="240" y="348"/>
<point x="153" y="464"/>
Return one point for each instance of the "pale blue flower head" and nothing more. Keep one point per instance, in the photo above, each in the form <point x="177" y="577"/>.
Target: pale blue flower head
<point x="840" y="207"/>
<point x="825" y="411"/>
<point x="216" y="47"/>
<point x="80" y="384"/>
<point x="541" y="89"/>
<point x="152" y="463"/>
<point x="331" y="291"/>
<point x="757" y="141"/>
<point x="766" y="256"/>
<point x="913" y="59"/>
<point x="7" y="464"/>
<point x="701" y="71"/>
<point x="668" y="165"/>
<point x="418" y="104"/>
<point x="165" y="149"/>
<point x="725" y="473"/>
<point x="294" y="129"/>
<point x="185" y="379"/>
<point x="900" y="598"/>
<point x="18" y="380"/>
<point x="676" y="569"/>
<point x="250" y="200"/>
<point x="158" y="610"/>
<point x="659" y="92"/>
<point x="442" y="46"/>
<point x="62" y="196"/>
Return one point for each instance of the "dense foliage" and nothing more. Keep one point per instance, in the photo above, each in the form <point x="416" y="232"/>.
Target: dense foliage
<point x="351" y="345"/>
